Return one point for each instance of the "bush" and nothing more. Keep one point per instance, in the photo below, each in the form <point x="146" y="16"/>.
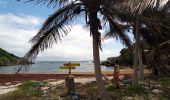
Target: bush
<point x="136" y="89"/>
<point x="31" y="84"/>
<point x="110" y="88"/>
<point x="32" y="88"/>
<point x="165" y="82"/>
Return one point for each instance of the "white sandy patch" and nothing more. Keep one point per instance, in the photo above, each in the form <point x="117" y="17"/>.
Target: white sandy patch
<point x="6" y="89"/>
<point x="76" y="80"/>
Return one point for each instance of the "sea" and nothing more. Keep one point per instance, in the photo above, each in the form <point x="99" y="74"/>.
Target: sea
<point x="51" y="67"/>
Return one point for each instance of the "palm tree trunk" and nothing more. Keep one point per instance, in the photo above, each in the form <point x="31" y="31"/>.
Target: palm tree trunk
<point x="141" y="69"/>
<point x="96" y="56"/>
<point x="136" y="28"/>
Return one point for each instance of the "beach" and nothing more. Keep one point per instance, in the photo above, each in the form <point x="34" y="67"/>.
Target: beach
<point x="17" y="78"/>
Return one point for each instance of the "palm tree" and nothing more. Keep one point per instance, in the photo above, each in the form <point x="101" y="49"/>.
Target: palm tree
<point x="129" y="8"/>
<point x="56" y="26"/>
<point x="138" y="55"/>
<point x="156" y="36"/>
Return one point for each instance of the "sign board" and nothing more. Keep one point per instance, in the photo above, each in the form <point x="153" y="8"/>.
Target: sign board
<point x="66" y="67"/>
<point x="72" y="64"/>
<point x="69" y="66"/>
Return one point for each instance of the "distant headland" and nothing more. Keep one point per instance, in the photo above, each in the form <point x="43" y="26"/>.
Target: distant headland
<point x="8" y="59"/>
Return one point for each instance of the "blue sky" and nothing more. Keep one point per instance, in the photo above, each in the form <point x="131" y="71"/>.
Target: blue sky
<point x="20" y="21"/>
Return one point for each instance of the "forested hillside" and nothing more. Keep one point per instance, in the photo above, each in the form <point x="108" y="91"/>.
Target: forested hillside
<point x="7" y="58"/>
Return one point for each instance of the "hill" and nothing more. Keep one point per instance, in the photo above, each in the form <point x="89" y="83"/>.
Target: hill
<point x="7" y="58"/>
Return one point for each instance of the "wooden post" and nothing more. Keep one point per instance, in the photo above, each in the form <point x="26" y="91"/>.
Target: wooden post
<point x="70" y="71"/>
<point x="70" y="84"/>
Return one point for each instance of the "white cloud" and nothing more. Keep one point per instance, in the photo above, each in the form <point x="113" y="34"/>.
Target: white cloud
<point x="11" y="19"/>
<point x="16" y="30"/>
<point x="77" y="45"/>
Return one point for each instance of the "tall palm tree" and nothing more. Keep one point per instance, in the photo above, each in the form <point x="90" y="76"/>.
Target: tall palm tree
<point x="157" y="37"/>
<point x="129" y="8"/>
<point x="56" y="26"/>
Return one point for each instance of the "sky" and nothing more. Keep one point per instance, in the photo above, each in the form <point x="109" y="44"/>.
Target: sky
<point x="20" y="21"/>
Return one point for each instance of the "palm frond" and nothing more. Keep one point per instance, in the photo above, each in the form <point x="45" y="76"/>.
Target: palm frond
<point x="121" y="35"/>
<point x="166" y="42"/>
<point x="138" y="6"/>
<point x="52" y="30"/>
<point x="115" y="29"/>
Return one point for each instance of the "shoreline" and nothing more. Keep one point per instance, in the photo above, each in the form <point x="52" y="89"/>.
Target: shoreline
<point x="16" y="78"/>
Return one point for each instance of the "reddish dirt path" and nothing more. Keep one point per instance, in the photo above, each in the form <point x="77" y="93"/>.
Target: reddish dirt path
<point x="26" y="77"/>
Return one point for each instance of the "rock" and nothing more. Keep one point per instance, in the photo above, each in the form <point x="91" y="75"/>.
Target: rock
<point x="127" y="98"/>
<point x="153" y="97"/>
<point x="157" y="91"/>
<point x="146" y="88"/>
<point x="137" y="97"/>
<point x="159" y="86"/>
<point x="121" y="85"/>
<point x="45" y="88"/>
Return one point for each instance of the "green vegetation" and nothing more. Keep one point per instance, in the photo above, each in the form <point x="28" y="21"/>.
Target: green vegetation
<point x="165" y="81"/>
<point x="125" y="58"/>
<point x="7" y="58"/>
<point x="31" y="84"/>
<point x="30" y="90"/>
<point x="110" y="88"/>
<point x="136" y="89"/>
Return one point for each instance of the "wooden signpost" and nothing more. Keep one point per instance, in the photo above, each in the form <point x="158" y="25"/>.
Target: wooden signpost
<point x="69" y="66"/>
<point x="69" y="80"/>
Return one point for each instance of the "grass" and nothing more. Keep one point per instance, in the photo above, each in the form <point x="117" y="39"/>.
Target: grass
<point x="110" y="87"/>
<point x="31" y="84"/>
<point x="165" y="81"/>
<point x="136" y="89"/>
<point x="27" y="91"/>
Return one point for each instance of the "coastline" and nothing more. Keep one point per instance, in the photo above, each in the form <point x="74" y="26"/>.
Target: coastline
<point x="17" y="78"/>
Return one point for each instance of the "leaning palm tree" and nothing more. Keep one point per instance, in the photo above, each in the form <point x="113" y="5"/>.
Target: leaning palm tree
<point x="57" y="25"/>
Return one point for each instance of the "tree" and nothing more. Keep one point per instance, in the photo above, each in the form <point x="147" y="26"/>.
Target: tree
<point x="126" y="57"/>
<point x="133" y="14"/>
<point x="140" y="75"/>
<point x="157" y="37"/>
<point x="57" y="25"/>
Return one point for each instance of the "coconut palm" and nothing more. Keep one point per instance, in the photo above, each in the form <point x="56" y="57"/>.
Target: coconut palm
<point x="57" y="25"/>
<point x="157" y="37"/>
<point x="128" y="10"/>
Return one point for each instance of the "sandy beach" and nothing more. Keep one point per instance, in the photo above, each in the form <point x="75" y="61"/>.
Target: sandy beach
<point x="16" y="78"/>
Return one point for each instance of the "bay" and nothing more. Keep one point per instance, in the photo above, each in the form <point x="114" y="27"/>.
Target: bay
<point x="51" y="67"/>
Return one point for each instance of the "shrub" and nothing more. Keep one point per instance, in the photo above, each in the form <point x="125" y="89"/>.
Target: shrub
<point x="136" y="89"/>
<point x="165" y="82"/>
<point x="110" y="88"/>
<point x="31" y="84"/>
<point x="32" y="88"/>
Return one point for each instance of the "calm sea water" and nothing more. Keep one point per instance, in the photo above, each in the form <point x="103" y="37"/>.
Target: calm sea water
<point x="51" y="67"/>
